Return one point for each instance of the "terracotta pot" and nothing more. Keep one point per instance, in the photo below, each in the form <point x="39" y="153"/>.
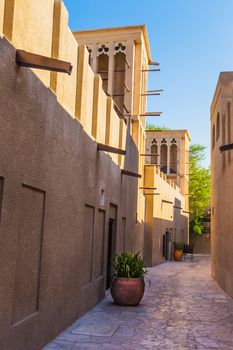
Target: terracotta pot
<point x="127" y="291"/>
<point x="178" y="255"/>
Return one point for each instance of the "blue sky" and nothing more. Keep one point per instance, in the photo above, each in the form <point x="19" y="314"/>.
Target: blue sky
<point x="192" y="40"/>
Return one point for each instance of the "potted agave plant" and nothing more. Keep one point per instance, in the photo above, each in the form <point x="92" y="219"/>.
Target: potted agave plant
<point x="127" y="287"/>
<point x="178" y="250"/>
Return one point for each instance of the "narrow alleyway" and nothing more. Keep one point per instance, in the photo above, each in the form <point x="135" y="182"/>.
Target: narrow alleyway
<point x="181" y="309"/>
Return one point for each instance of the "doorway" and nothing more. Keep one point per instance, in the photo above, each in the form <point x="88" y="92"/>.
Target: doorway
<point x="111" y="252"/>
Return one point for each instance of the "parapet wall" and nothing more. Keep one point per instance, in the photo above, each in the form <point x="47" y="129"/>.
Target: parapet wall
<point x="41" y="27"/>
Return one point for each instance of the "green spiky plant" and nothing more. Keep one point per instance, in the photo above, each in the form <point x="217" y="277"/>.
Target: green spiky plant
<point x="129" y="265"/>
<point x="178" y="246"/>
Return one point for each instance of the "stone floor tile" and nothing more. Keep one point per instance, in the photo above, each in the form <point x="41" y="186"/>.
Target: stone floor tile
<point x="182" y="309"/>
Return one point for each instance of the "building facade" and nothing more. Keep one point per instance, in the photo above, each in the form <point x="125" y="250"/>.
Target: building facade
<point x="169" y="151"/>
<point x="167" y="212"/>
<point x="72" y="169"/>
<point x="222" y="184"/>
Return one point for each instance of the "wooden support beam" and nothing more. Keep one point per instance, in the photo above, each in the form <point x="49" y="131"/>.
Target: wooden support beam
<point x="148" y="188"/>
<point x="149" y="155"/>
<point x="127" y="62"/>
<point x="177" y="207"/>
<point x="130" y="173"/>
<point x="106" y="148"/>
<point x="127" y="111"/>
<point x="153" y="63"/>
<point x="31" y="60"/>
<point x="150" y="94"/>
<point x="151" y="114"/>
<point x="120" y="115"/>
<point x="151" y="194"/>
<point x="224" y="148"/>
<point x="165" y="201"/>
<point x="126" y="87"/>
<point x="186" y="211"/>
<point x="150" y="70"/>
<point x="160" y="90"/>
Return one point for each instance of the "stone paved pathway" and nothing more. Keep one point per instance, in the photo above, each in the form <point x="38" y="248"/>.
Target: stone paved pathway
<point x="181" y="309"/>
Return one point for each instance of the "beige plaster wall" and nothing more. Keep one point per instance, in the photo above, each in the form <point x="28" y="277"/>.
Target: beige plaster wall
<point x="112" y="128"/>
<point x="122" y="141"/>
<point x="76" y="93"/>
<point x="64" y="48"/>
<point x="164" y="211"/>
<point x="85" y="90"/>
<point x="29" y="25"/>
<point x="51" y="179"/>
<point x="99" y="111"/>
<point x="222" y="185"/>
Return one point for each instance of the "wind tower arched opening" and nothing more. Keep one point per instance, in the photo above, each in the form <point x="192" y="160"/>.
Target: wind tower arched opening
<point x="163" y="158"/>
<point x="119" y="80"/>
<point x="154" y="152"/>
<point x="173" y="159"/>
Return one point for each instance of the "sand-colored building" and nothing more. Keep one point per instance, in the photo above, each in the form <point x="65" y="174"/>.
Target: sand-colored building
<point x="72" y="170"/>
<point x="167" y="212"/>
<point x="222" y="184"/>
<point x="169" y="151"/>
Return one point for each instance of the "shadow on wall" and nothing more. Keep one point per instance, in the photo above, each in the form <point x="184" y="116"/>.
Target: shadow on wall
<point x="154" y="249"/>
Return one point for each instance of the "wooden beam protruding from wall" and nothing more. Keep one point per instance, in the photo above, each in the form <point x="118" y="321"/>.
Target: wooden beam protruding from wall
<point x="153" y="63"/>
<point x="148" y="154"/>
<point x="151" y="94"/>
<point x="151" y="194"/>
<point x="165" y="201"/>
<point x="224" y="148"/>
<point x="149" y="114"/>
<point x="106" y="148"/>
<point x="31" y="60"/>
<point x="150" y="70"/>
<point x="130" y="173"/>
<point x="148" y="188"/>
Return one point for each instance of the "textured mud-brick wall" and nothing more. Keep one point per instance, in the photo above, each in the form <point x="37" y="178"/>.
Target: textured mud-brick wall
<point x="52" y="211"/>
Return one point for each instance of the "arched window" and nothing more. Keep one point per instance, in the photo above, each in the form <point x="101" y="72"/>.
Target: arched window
<point x="213" y="136"/>
<point x="119" y="80"/>
<point x="173" y="159"/>
<point x="218" y="127"/>
<point x="103" y="61"/>
<point x="154" y="150"/>
<point x="163" y="158"/>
